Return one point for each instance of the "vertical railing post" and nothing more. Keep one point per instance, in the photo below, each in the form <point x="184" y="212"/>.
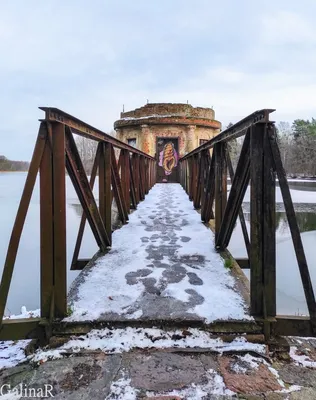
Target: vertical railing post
<point x="262" y="224"/>
<point x="135" y="159"/>
<point x="125" y="179"/>
<point x="220" y="184"/>
<point x="146" y="175"/>
<point x="141" y="172"/>
<point x="105" y="195"/>
<point x="59" y="210"/>
<point x="191" y="177"/>
<point x="187" y="176"/>
<point x="195" y="180"/>
<point x="203" y="170"/>
<point x="269" y="229"/>
<point x="46" y="228"/>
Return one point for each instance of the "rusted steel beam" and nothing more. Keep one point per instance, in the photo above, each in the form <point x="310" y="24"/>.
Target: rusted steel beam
<point x="117" y="189"/>
<point x="132" y="187"/>
<point x="47" y="228"/>
<point x="80" y="264"/>
<point x="256" y="222"/>
<point x="243" y="263"/>
<point x="84" y="192"/>
<point x="203" y="174"/>
<point x="237" y="192"/>
<point x="20" y="217"/>
<point x="186" y="163"/>
<point x="59" y="207"/>
<point x="125" y="179"/>
<point x="146" y="175"/>
<point x="241" y="213"/>
<point x="262" y="216"/>
<point x="295" y="232"/>
<point x="207" y="210"/>
<point x="269" y="226"/>
<point x="234" y="131"/>
<point x="196" y="196"/>
<point x="141" y="178"/>
<point x="24" y="328"/>
<point x="220" y="185"/>
<point x="82" y="128"/>
<point x="135" y="168"/>
<point x="289" y="325"/>
<point x="191" y="177"/>
<point x="83" y="217"/>
<point x="105" y="183"/>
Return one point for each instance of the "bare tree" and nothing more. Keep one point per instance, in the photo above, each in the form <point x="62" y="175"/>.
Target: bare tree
<point x="87" y="149"/>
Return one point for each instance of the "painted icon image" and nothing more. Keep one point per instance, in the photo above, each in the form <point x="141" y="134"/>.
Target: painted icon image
<point x="168" y="158"/>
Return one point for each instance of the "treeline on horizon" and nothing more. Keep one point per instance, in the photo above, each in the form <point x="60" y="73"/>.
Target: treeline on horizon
<point x="297" y="143"/>
<point x="10" y="165"/>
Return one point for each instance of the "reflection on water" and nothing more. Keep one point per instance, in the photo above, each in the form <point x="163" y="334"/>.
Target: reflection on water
<point x="77" y="208"/>
<point x="309" y="186"/>
<point x="290" y="294"/>
<point x="306" y="221"/>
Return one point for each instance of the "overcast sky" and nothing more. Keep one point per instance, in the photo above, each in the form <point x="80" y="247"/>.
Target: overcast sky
<point x="91" y="57"/>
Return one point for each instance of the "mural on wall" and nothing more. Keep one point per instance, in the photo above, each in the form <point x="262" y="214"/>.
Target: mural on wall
<point x="168" y="158"/>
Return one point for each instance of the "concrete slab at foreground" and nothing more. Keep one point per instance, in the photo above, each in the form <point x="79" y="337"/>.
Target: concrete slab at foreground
<point x="162" y="266"/>
<point x="171" y="374"/>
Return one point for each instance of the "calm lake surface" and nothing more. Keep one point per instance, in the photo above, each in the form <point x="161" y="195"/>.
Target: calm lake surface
<point x="25" y="284"/>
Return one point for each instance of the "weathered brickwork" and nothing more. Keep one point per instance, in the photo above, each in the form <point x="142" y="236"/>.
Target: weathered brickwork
<point x="188" y="124"/>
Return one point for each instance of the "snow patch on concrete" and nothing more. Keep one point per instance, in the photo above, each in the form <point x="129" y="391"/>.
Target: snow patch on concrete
<point x="122" y="340"/>
<point x="301" y="359"/>
<point x="12" y="353"/>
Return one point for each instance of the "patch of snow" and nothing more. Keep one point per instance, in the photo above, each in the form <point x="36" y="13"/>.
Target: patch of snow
<point x="122" y="389"/>
<point x="106" y="288"/>
<point x="301" y="359"/>
<point x="123" y="340"/>
<point x="136" y="315"/>
<point x="14" y="395"/>
<point x="214" y="386"/>
<point x="12" y="353"/>
<point x="178" y="290"/>
<point x="150" y="116"/>
<point x="25" y="314"/>
<point x="253" y="363"/>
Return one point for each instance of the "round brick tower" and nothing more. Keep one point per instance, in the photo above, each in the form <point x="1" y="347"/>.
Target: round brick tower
<point x="167" y="131"/>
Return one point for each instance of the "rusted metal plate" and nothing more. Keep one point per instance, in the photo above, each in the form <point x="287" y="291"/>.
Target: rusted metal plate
<point x="26" y="328"/>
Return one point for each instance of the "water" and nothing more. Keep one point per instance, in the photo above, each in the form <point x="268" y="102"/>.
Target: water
<point x="290" y="294"/>
<point x="25" y="284"/>
<point x="24" y="288"/>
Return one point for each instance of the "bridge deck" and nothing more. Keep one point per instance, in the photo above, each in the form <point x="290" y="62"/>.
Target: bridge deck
<point x="163" y="266"/>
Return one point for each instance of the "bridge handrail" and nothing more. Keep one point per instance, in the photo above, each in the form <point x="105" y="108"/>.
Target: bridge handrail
<point x="80" y="127"/>
<point x="126" y="175"/>
<point x="203" y="174"/>
<point x="234" y="131"/>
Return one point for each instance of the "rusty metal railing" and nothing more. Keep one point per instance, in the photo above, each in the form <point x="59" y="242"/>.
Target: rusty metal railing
<point x="204" y="177"/>
<point x="126" y="179"/>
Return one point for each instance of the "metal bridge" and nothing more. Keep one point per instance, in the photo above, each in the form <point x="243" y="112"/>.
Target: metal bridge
<point x="127" y="175"/>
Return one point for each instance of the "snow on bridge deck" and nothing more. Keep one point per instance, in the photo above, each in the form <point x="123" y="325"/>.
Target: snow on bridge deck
<point x="162" y="266"/>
